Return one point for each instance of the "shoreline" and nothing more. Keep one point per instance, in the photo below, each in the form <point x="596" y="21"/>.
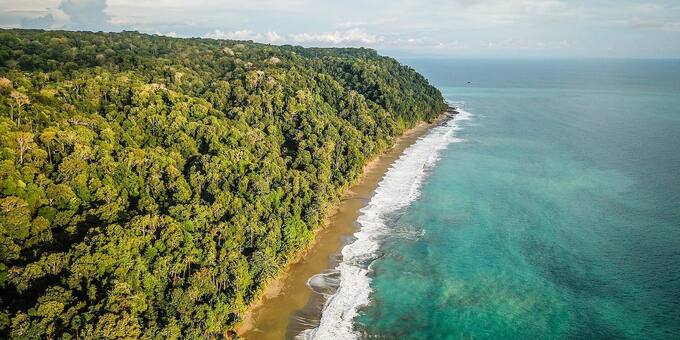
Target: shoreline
<point x="289" y="295"/>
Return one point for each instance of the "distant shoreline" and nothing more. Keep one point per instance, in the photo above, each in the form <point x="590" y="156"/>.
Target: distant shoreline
<point x="271" y="317"/>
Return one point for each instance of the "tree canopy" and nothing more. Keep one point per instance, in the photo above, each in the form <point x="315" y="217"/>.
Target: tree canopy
<point x="150" y="186"/>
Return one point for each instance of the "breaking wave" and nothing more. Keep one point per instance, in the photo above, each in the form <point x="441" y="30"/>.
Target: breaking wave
<point x="399" y="187"/>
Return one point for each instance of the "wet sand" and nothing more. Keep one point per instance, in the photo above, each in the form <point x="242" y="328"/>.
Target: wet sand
<point x="289" y="297"/>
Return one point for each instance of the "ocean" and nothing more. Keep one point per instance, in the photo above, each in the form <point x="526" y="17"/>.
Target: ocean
<point x="548" y="208"/>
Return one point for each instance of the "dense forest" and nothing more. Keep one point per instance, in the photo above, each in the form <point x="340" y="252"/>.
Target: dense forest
<point x="150" y="186"/>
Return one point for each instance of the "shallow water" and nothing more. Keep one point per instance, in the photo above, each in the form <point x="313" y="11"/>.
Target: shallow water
<point x="555" y="215"/>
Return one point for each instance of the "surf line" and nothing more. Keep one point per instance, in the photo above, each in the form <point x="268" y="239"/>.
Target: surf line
<point x="399" y="188"/>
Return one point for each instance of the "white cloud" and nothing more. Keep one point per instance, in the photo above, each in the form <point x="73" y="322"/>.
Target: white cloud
<point x="86" y="14"/>
<point x="273" y="37"/>
<point x="68" y="14"/>
<point x="351" y="24"/>
<point x="171" y="34"/>
<point x="637" y="22"/>
<point x="646" y="8"/>
<point x="634" y="27"/>
<point x="348" y="37"/>
<point x="498" y="13"/>
<point x="269" y="37"/>
<point x="352" y="36"/>
<point x="545" y="7"/>
<point x="234" y="35"/>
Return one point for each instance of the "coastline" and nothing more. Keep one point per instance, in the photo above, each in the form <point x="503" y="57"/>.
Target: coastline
<point x="288" y="295"/>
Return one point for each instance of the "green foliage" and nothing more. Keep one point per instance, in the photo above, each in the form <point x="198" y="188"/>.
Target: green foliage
<point x="150" y="186"/>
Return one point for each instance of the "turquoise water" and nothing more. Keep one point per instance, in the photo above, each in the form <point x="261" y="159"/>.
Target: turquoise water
<point x="556" y="216"/>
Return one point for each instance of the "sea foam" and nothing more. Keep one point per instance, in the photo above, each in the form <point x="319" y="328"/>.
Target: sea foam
<point x="399" y="187"/>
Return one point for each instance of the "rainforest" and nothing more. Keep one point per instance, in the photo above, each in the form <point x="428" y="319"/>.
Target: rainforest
<point x="151" y="186"/>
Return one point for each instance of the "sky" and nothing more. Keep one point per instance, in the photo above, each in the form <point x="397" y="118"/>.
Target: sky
<point x="434" y="28"/>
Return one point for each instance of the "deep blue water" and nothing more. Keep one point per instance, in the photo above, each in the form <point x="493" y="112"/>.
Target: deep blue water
<point x="556" y="216"/>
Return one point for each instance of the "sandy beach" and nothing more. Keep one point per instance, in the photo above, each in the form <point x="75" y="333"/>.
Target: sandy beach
<point x="270" y="317"/>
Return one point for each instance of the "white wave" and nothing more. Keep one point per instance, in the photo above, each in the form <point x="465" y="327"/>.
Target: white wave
<point x="399" y="187"/>
<point x="325" y="283"/>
